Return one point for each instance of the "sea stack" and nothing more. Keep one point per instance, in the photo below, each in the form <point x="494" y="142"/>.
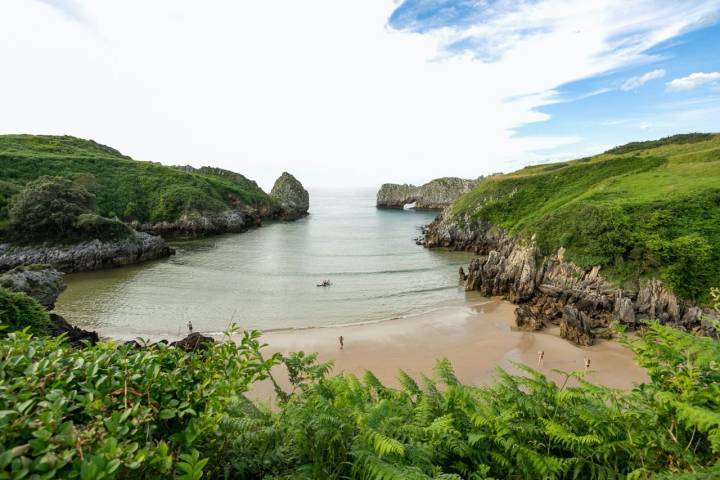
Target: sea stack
<point x="294" y="200"/>
<point x="436" y="194"/>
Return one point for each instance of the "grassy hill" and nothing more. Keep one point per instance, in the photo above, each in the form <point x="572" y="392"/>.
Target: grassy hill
<point x="642" y="209"/>
<point x="129" y="189"/>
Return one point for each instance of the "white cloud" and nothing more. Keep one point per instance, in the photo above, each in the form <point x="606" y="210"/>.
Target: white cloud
<point x="636" y="82"/>
<point x="644" y="125"/>
<point x="692" y="81"/>
<point x="323" y="89"/>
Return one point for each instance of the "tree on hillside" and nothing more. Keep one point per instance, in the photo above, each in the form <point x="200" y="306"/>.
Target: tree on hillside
<point x="48" y="208"/>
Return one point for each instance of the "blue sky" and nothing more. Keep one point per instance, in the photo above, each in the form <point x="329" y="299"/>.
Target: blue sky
<point x="629" y="103"/>
<point x="360" y="92"/>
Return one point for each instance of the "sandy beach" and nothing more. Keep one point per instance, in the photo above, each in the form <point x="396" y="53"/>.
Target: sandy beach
<point x="476" y="338"/>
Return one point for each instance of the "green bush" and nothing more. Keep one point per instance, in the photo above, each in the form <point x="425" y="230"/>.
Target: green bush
<point x="48" y="209"/>
<point x="58" y="210"/>
<point x="91" y="225"/>
<point x="116" y="411"/>
<point x="19" y="311"/>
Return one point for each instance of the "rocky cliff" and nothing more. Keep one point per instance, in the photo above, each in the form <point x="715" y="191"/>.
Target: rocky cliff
<point x="551" y="290"/>
<point x="195" y="225"/>
<point x="41" y="282"/>
<point x="436" y="194"/>
<point x="293" y="199"/>
<point x="87" y="255"/>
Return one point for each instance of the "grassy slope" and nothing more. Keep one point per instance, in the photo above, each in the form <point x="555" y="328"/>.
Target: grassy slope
<point x="647" y="208"/>
<point x="130" y="189"/>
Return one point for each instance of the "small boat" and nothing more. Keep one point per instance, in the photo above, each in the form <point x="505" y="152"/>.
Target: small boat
<point x="326" y="283"/>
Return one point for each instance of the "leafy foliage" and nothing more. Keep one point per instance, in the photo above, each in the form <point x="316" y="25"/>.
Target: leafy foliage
<point x="116" y="411"/>
<point x="113" y="411"/>
<point x="648" y="209"/>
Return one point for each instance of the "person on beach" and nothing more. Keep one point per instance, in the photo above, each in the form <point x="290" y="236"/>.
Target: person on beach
<point x="190" y="326"/>
<point x="587" y="363"/>
<point x="541" y="357"/>
<point x="341" y="340"/>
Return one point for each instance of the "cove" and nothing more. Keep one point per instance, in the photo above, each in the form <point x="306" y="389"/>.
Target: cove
<point x="266" y="278"/>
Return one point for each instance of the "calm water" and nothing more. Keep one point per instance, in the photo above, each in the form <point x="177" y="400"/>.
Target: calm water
<point x="267" y="278"/>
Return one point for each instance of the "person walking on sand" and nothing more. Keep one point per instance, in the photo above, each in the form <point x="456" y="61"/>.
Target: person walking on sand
<point x="190" y="326"/>
<point x="541" y="357"/>
<point x="587" y="363"/>
<point x="341" y="340"/>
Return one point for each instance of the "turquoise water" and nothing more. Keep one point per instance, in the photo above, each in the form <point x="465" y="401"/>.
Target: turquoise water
<point x="266" y="278"/>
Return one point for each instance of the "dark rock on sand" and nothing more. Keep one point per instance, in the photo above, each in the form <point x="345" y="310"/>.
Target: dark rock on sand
<point x="194" y="341"/>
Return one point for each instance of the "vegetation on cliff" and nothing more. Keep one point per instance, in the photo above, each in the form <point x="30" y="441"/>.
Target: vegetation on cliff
<point x="639" y="210"/>
<point x="119" y="411"/>
<point x="124" y="188"/>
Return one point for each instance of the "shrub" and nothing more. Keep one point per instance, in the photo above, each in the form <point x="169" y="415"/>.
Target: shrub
<point x="48" y="209"/>
<point x="114" y="411"/>
<point x="19" y="311"/>
<point x="95" y="226"/>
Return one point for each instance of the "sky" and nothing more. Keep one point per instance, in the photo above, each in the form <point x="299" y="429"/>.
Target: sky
<point x="360" y="92"/>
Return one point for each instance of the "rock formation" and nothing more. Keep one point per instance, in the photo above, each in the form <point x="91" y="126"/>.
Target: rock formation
<point x="197" y="225"/>
<point x="551" y="290"/>
<point x="40" y="282"/>
<point x="436" y="194"/>
<point x="294" y="200"/>
<point x="45" y="284"/>
<point x="87" y="255"/>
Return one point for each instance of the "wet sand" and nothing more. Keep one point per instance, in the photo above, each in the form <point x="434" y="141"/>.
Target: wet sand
<point x="476" y="338"/>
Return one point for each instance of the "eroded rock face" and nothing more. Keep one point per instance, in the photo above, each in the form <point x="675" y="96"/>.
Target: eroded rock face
<point x="41" y="282"/>
<point x="88" y="255"/>
<point x="294" y="200"/>
<point x="436" y="194"/>
<point x="551" y="290"/>
<point x="196" y="225"/>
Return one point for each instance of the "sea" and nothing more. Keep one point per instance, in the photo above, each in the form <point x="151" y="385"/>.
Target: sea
<point x="267" y="278"/>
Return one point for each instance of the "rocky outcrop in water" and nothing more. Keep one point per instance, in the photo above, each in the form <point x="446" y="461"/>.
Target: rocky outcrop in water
<point x="436" y="194"/>
<point x="87" y="255"/>
<point x="41" y="282"/>
<point x="551" y="290"/>
<point x="294" y="200"/>
<point x="197" y="225"/>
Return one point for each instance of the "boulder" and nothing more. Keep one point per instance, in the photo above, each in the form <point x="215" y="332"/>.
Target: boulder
<point x="575" y="326"/>
<point x="77" y="337"/>
<point x="294" y="200"/>
<point x="40" y="282"/>
<point x="194" y="341"/>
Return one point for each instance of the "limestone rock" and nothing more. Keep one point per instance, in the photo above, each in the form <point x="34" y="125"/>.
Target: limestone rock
<point x="575" y="326"/>
<point x="40" y="282"/>
<point x="87" y="255"/>
<point x="550" y="289"/>
<point x="294" y="200"/>
<point x="436" y="194"/>
<point x="196" y="225"/>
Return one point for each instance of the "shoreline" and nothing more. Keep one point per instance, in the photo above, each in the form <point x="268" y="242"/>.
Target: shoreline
<point x="477" y="338"/>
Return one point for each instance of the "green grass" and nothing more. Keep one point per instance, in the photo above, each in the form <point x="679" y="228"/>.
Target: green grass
<point x="129" y="189"/>
<point x="639" y="210"/>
